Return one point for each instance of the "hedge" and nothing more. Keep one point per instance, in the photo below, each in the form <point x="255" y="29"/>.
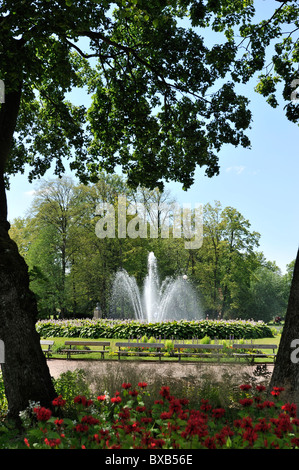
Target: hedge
<point x="183" y="329"/>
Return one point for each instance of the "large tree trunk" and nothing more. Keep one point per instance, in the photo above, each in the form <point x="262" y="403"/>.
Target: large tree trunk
<point x="25" y="371"/>
<point x="286" y="370"/>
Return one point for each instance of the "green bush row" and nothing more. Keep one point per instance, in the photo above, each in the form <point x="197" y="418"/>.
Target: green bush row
<point x="182" y="329"/>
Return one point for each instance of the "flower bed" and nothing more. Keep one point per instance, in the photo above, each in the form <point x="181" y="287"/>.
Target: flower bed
<point x="122" y="421"/>
<point x="87" y="328"/>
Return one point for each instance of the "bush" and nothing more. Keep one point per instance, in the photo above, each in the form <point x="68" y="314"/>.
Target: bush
<point x="70" y="384"/>
<point x="3" y="400"/>
<point x="221" y="329"/>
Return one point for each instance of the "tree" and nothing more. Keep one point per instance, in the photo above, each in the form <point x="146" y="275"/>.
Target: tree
<point x="163" y="103"/>
<point x="226" y="260"/>
<point x="266" y="297"/>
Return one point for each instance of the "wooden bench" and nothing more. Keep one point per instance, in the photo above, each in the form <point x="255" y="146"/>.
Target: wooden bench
<point x="156" y="346"/>
<point x="101" y="344"/>
<point x="252" y="354"/>
<point x="200" y="348"/>
<point x="48" y="350"/>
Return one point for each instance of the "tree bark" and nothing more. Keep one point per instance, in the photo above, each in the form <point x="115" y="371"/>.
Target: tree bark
<point x="25" y="371"/>
<point x="286" y="371"/>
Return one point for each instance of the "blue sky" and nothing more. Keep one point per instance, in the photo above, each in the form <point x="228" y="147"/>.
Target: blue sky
<point x="261" y="183"/>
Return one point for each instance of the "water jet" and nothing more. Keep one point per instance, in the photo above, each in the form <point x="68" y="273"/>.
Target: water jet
<point x="171" y="299"/>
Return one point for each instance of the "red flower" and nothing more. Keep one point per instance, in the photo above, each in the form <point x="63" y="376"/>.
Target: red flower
<point x="225" y="432"/>
<point x="295" y="441"/>
<point x="245" y="422"/>
<point x="81" y="427"/>
<point x="133" y="393"/>
<point x="166" y="415"/>
<point x="140" y="409"/>
<point x="115" y="400"/>
<point x="146" y="420"/>
<point x="218" y="413"/>
<point x="205" y="406"/>
<point x="157" y="443"/>
<point x="266" y="404"/>
<point x="142" y="384"/>
<point x="250" y="435"/>
<point x="246" y="401"/>
<point x="262" y="425"/>
<point x="101" y="398"/>
<point x="89" y="420"/>
<point x="59" y="401"/>
<point x="82" y="400"/>
<point x="124" y="414"/>
<point x="52" y="442"/>
<point x="184" y="401"/>
<point x="196" y="425"/>
<point x="26" y="442"/>
<point x="175" y="406"/>
<point x="164" y="392"/>
<point x="260" y="388"/>
<point x="126" y="385"/>
<point x="290" y="408"/>
<point x="59" y="422"/>
<point x="210" y="443"/>
<point x="245" y="387"/>
<point x="276" y="391"/>
<point x="42" y="414"/>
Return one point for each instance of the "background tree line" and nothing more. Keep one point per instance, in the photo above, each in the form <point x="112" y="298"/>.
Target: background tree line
<point x="72" y="269"/>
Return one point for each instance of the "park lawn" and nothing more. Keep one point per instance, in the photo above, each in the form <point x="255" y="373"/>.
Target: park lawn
<point x="112" y="351"/>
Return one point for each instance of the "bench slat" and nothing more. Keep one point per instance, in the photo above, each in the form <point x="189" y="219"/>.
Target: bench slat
<point x="86" y="343"/>
<point x="157" y="346"/>
<point x="70" y="351"/>
<point x="140" y="345"/>
<point x="197" y="346"/>
<point x="254" y="346"/>
<point x="49" y="343"/>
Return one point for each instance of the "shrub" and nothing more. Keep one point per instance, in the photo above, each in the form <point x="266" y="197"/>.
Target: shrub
<point x="70" y="384"/>
<point x="3" y="400"/>
<point x="183" y="329"/>
<point x="206" y="340"/>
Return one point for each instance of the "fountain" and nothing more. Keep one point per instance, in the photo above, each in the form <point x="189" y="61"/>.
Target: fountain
<point x="173" y="299"/>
